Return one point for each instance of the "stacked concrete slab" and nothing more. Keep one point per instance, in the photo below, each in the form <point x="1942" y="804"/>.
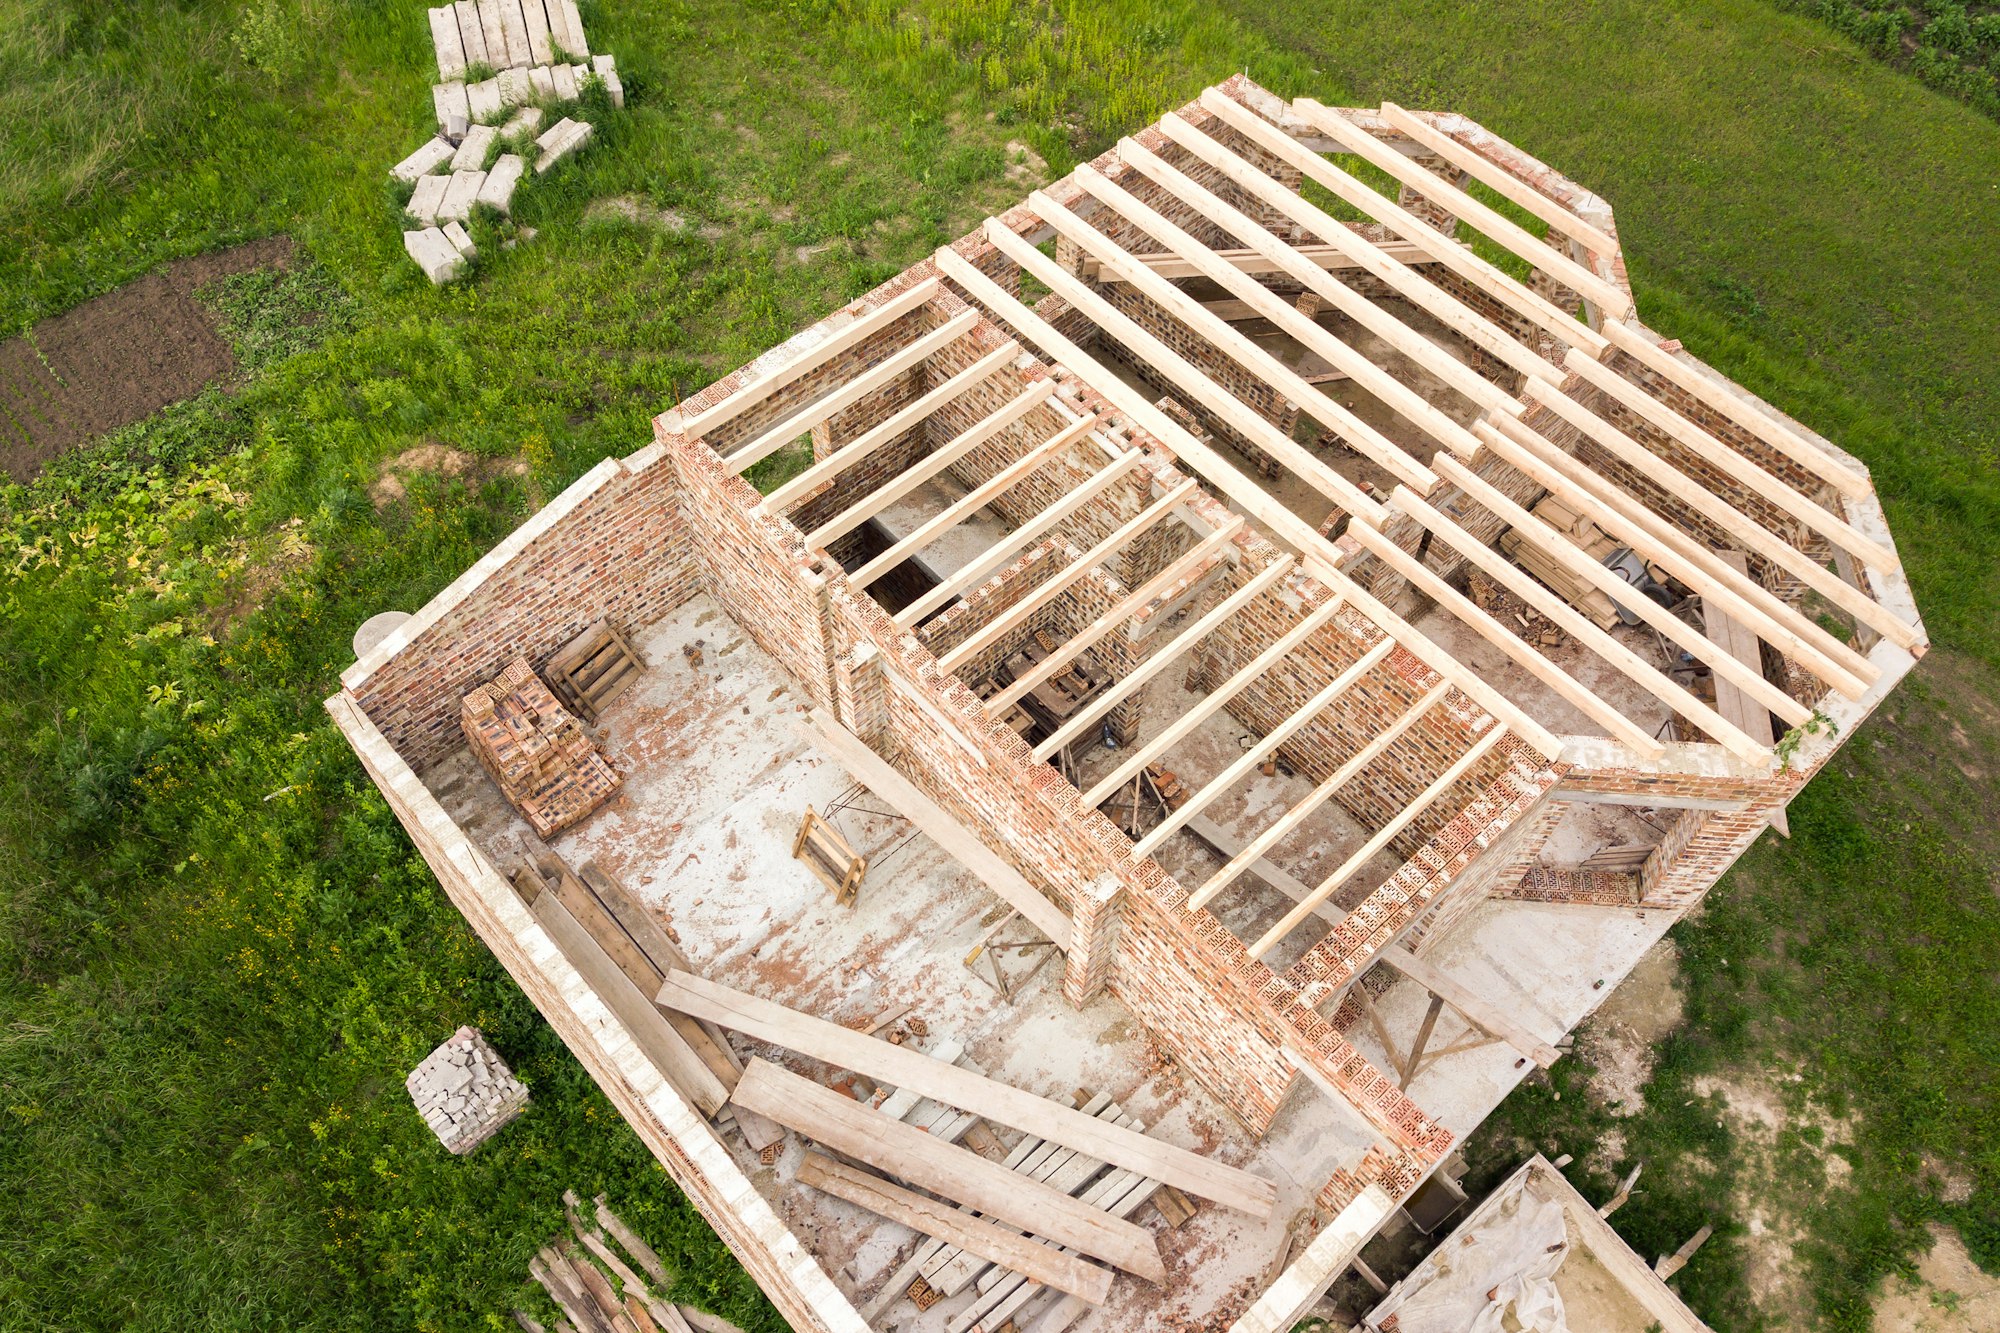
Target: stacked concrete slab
<point x="530" y="51"/>
<point x="465" y="1092"/>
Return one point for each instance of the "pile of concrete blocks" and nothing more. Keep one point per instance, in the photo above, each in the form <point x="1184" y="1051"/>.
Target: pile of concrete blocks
<point x="532" y="51"/>
<point x="465" y="1091"/>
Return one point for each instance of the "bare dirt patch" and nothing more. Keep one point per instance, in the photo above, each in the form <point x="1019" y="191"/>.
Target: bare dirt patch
<point x="631" y="208"/>
<point x="1621" y="1041"/>
<point x="118" y="358"/>
<point x="438" y="460"/>
<point x="1949" y="1294"/>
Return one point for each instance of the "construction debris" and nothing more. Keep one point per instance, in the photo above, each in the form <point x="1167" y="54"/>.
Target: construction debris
<point x="535" y="751"/>
<point x="465" y="1091"/>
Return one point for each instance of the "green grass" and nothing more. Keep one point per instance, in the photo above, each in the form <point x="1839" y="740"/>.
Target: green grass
<point x="208" y="998"/>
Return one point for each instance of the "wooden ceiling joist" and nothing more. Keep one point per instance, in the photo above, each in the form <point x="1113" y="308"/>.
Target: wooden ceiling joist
<point x="1317" y="552"/>
<point x="1498" y="179"/>
<point x="1343" y="356"/>
<point x="893" y="428"/>
<point x="1584" y="630"/>
<point x="1447" y="251"/>
<point x="1207" y="549"/>
<point x="1754" y="537"/>
<point x="1566" y="553"/>
<point x="847" y="395"/>
<point x="1729" y="461"/>
<point x="1239" y="348"/>
<point x="1739" y="408"/>
<point x="1053" y="587"/>
<point x="1020" y="539"/>
<point x="1022" y="403"/>
<point x="1206" y="392"/>
<point x="967" y="505"/>
<point x="1262" y="845"/>
<point x="1609" y="300"/>
<point x="1451" y="599"/>
<point x="1382" y="838"/>
<point x="1220" y="697"/>
<point x="1252" y="261"/>
<point x="1619" y="514"/>
<point x="1165" y="656"/>
<point x="761" y="386"/>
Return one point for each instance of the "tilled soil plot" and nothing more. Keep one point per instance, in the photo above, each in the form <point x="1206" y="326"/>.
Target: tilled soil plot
<point x="118" y="358"/>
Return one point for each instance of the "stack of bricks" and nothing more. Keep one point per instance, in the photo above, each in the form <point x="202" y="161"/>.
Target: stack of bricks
<point x="465" y="1091"/>
<point x="535" y="750"/>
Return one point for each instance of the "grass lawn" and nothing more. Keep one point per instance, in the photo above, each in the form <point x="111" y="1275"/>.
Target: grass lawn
<point x="219" y="955"/>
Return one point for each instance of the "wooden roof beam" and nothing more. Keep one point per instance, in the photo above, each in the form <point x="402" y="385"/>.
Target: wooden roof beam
<point x="1250" y="261"/>
<point x="1387" y="833"/>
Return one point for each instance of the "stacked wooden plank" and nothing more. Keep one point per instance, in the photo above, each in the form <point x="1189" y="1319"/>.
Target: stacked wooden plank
<point x="1588" y="538"/>
<point x="536" y="752"/>
<point x="598" y="1291"/>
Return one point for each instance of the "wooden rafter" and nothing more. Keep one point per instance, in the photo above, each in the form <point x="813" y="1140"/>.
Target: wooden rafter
<point x="964" y="507"/>
<point x="999" y="553"/>
<point x="1693" y="564"/>
<point x="1252" y="261"/>
<point x="1219" y="698"/>
<point x="1208" y="548"/>
<point x="1606" y="297"/>
<point x="1261" y="845"/>
<point x="1447" y="251"/>
<point x="1739" y="408"/>
<point x="1022" y="403"/>
<point x="1754" y="536"/>
<point x="1729" y="461"/>
<point x="1564" y="684"/>
<point x="1635" y="668"/>
<point x="891" y="429"/>
<point x="1319" y="554"/>
<point x="762" y="386"/>
<point x="1540" y="535"/>
<point x="1050" y="588"/>
<point x="1205" y="391"/>
<point x="901" y="362"/>
<point x="1162" y="658"/>
<point x="1498" y="178"/>
<point x="1403" y="819"/>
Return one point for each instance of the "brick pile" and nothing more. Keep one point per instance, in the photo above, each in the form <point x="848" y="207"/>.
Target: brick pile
<point x="465" y="1092"/>
<point x="535" y="750"/>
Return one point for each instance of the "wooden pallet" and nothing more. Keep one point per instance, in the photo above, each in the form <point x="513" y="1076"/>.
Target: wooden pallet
<point x="592" y="669"/>
<point x="827" y="855"/>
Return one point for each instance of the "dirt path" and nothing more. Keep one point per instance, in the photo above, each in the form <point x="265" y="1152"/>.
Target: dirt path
<point x="118" y="358"/>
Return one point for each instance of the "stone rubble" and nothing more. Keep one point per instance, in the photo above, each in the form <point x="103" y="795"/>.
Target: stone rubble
<point x="465" y="1092"/>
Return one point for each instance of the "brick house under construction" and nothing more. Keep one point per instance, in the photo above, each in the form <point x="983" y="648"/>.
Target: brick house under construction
<point x="1304" y="662"/>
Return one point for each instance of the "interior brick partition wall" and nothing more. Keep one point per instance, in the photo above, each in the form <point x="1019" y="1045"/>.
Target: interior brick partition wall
<point x="611" y="547"/>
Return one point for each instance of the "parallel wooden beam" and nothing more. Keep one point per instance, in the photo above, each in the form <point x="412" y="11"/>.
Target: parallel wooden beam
<point x="1447" y="251"/>
<point x="887" y="1144"/>
<point x="1585" y="631"/>
<point x="874" y="772"/>
<point x="975" y="1235"/>
<point x="1087" y="716"/>
<point x="762" y="386"/>
<point x="1693" y="564"/>
<point x="893" y="428"/>
<point x="1343" y="356"/>
<point x="956" y="1086"/>
<point x="1262" y="844"/>
<point x="1279" y="878"/>
<point x="1471" y="1006"/>
<point x="1502" y="230"/>
<point x="1217" y="699"/>
<point x="847" y="395"/>
<point x="1207" y="549"/>
<point x="1744" y="674"/>
<point x="1053" y="587"/>
<point x="963" y="508"/>
<point x="1755" y="537"/>
<point x="1251" y="261"/>
<point x="1022" y="403"/>
<point x="1377" y="259"/>
<point x="1205" y="391"/>
<point x="1739" y="408"/>
<point x="1585" y="701"/>
<point x="1331" y="884"/>
<point x="1496" y="177"/>
<point x="1740" y="706"/>
<point x="1728" y="461"/>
